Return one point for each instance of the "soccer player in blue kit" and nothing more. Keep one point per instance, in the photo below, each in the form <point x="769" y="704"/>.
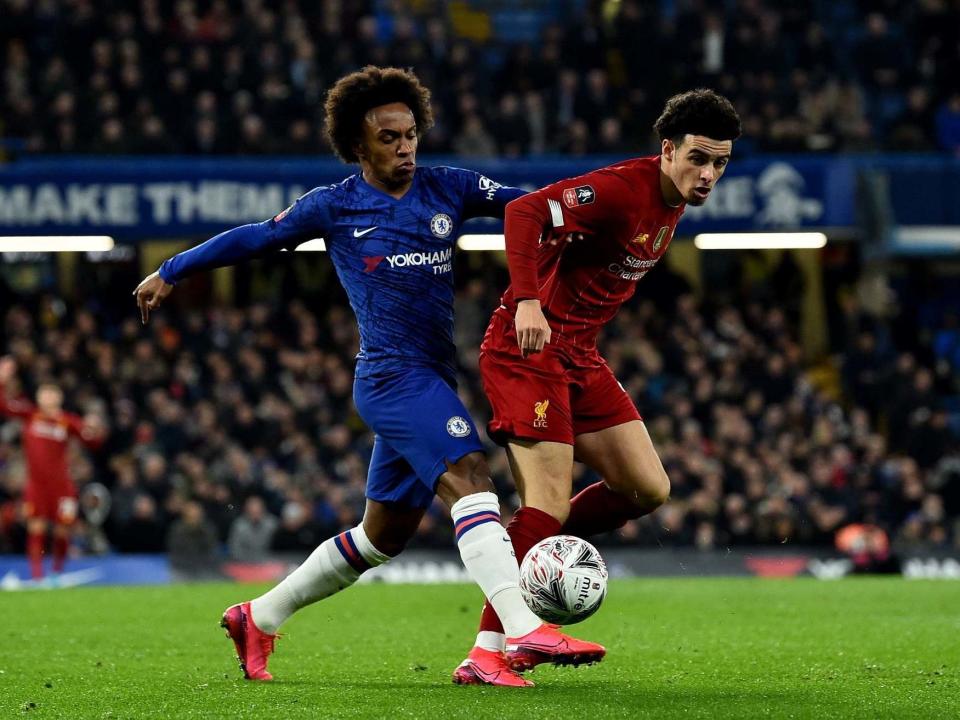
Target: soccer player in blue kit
<point x="390" y="231"/>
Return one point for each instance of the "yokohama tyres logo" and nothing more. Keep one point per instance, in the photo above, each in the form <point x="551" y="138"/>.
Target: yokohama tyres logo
<point x="439" y="261"/>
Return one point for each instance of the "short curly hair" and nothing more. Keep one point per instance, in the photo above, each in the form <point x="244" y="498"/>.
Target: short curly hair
<point x="354" y="95"/>
<point x="698" y="112"/>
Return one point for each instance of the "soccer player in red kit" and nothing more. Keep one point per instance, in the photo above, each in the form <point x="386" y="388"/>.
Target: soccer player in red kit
<point x="50" y="497"/>
<point x="554" y="398"/>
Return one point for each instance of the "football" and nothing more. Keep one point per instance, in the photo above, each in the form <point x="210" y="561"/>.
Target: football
<point x="563" y="579"/>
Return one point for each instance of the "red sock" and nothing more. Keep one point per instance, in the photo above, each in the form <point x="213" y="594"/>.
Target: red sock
<point x="60" y="547"/>
<point x="598" y="509"/>
<point x="528" y="527"/>
<point x="35" y="543"/>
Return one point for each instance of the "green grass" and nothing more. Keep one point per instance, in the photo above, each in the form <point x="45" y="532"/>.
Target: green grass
<point x="692" y="648"/>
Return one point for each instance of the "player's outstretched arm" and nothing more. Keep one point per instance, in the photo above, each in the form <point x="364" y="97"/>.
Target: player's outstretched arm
<point x="227" y="248"/>
<point x="307" y="218"/>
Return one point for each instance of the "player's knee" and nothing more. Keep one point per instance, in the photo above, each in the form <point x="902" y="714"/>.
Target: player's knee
<point x="388" y="540"/>
<point x="653" y="491"/>
<point x="646" y="490"/>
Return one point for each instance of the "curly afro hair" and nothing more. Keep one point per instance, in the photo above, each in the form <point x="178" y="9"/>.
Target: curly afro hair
<point x="698" y="112"/>
<point x="354" y="95"/>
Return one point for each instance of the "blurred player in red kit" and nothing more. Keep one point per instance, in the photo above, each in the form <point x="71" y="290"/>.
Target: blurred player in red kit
<point x="554" y="398"/>
<point x="50" y="497"/>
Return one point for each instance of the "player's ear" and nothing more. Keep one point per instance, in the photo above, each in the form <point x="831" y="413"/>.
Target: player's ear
<point x="667" y="148"/>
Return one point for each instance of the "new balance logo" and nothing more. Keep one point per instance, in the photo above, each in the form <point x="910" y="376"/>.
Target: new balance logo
<point x="357" y="232"/>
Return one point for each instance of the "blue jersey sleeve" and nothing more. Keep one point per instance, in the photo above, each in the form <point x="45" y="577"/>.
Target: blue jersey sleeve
<point x="483" y="197"/>
<point x="311" y="216"/>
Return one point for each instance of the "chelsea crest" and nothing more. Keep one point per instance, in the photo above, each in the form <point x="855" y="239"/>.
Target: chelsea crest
<point x="441" y="225"/>
<point x="458" y="427"/>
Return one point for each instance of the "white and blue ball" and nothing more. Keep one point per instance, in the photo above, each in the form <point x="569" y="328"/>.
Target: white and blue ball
<point x="563" y="579"/>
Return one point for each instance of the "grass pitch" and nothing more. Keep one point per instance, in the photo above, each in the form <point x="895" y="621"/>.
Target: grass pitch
<point x="689" y="648"/>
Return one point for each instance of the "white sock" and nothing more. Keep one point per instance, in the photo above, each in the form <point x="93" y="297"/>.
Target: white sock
<point x="332" y="567"/>
<point x="497" y="642"/>
<point x="487" y="554"/>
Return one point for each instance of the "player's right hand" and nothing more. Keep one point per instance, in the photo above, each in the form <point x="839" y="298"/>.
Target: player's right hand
<point x="150" y="293"/>
<point x="533" y="331"/>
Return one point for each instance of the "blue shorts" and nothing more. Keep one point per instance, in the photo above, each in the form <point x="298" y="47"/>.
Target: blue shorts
<point x="420" y="425"/>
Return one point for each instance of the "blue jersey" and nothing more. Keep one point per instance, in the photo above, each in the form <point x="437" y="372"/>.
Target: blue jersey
<point x="394" y="257"/>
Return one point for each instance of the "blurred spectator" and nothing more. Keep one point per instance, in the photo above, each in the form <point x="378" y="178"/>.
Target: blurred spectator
<point x="252" y="532"/>
<point x="143" y="532"/>
<point x="473" y="140"/>
<point x="912" y="130"/>
<point x="880" y="56"/>
<point x="510" y="127"/>
<point x="192" y="542"/>
<point x="297" y="532"/>
<point x="948" y="124"/>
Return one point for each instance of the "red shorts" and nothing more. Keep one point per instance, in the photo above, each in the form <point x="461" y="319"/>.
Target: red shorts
<point x="554" y="395"/>
<point x="57" y="505"/>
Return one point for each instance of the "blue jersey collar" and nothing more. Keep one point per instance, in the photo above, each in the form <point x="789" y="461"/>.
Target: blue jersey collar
<point x="391" y="198"/>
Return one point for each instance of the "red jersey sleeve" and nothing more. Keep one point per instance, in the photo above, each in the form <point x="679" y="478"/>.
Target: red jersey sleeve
<point x="15" y="408"/>
<point x="585" y="204"/>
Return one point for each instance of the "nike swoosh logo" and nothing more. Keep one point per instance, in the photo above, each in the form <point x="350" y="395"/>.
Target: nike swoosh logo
<point x="357" y="232"/>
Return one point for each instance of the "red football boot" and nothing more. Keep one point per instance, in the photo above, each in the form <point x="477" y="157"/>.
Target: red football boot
<point x="547" y="644"/>
<point x="253" y="645"/>
<point x="487" y="667"/>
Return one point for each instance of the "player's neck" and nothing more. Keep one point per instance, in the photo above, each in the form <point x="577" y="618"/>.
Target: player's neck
<point x="394" y="191"/>
<point x="671" y="196"/>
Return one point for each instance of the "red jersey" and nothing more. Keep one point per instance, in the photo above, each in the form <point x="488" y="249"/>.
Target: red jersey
<point x="45" y="441"/>
<point x="581" y="285"/>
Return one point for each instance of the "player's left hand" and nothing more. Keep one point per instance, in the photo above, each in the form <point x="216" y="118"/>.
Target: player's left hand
<point x="150" y="293"/>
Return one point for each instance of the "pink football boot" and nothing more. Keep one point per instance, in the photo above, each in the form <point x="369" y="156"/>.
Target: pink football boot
<point x="547" y="644"/>
<point x="253" y="645"/>
<point x="487" y="667"/>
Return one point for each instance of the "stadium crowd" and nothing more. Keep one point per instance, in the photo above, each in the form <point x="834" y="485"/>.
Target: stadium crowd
<point x="209" y="77"/>
<point x="235" y="427"/>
